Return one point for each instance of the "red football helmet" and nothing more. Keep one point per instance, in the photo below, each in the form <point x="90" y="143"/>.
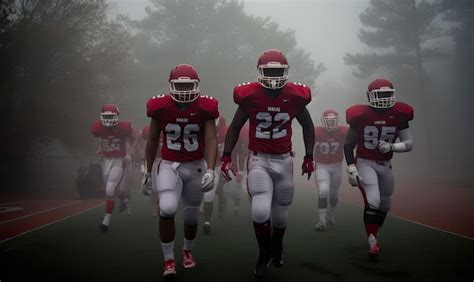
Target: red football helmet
<point x="381" y="94"/>
<point x="330" y="119"/>
<point x="109" y="115"/>
<point x="184" y="83"/>
<point x="272" y="69"/>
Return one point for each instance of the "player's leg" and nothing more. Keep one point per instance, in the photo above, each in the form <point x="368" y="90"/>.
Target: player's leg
<point x="336" y="176"/>
<point x="261" y="190"/>
<point x="322" y="178"/>
<point x="222" y="198"/>
<point x="192" y="197"/>
<point x="371" y="193"/>
<point x="125" y="195"/>
<point x="208" y="206"/>
<point x="169" y="186"/>
<point x="113" y="174"/>
<point x="387" y="187"/>
<point x="154" y="193"/>
<point x="282" y="174"/>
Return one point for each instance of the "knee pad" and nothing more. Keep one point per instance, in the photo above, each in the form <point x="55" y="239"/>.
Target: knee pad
<point x="168" y="205"/>
<point x="280" y="216"/>
<point x="261" y="208"/>
<point x="190" y="215"/>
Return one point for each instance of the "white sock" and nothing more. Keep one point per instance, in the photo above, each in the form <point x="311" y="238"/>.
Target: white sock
<point x="168" y="250"/>
<point x="205" y="223"/>
<point x="188" y="245"/>
<point x="106" y="220"/>
<point x="372" y="240"/>
<point x="322" y="216"/>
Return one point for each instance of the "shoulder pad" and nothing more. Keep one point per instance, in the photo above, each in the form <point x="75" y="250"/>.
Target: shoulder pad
<point x="244" y="90"/>
<point x="96" y="128"/>
<point x="354" y="113"/>
<point x="300" y="90"/>
<point x="343" y="129"/>
<point x="405" y="111"/>
<point x="125" y="127"/>
<point x="209" y="105"/>
<point x="157" y="103"/>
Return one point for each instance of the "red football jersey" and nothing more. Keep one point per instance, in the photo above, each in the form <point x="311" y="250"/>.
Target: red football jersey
<point x="113" y="139"/>
<point x="330" y="147"/>
<point x="374" y="125"/>
<point x="270" y="117"/>
<point x="182" y="128"/>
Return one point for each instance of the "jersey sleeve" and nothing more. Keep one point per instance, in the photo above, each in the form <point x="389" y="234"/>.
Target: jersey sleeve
<point x="126" y="129"/>
<point x="405" y="112"/>
<point x="353" y="115"/>
<point x="209" y="106"/>
<point x="155" y="105"/>
<point x="96" y="128"/>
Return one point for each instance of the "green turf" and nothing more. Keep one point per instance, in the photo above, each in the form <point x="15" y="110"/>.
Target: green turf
<point x="74" y="250"/>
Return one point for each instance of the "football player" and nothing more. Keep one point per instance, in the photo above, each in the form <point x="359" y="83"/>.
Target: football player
<point x="133" y="148"/>
<point x="221" y="128"/>
<point x="328" y="155"/>
<point x="270" y="105"/>
<point x="375" y="128"/>
<point x="186" y="120"/>
<point x="113" y="136"/>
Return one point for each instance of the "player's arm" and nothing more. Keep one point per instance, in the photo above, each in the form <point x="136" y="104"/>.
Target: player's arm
<point x="304" y="118"/>
<point x="406" y="141"/>
<point x="240" y="118"/>
<point x="211" y="144"/>
<point x="152" y="144"/>
<point x="231" y="138"/>
<point x="351" y="140"/>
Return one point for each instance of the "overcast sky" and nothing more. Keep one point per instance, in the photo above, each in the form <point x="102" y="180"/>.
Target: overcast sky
<point x="326" y="28"/>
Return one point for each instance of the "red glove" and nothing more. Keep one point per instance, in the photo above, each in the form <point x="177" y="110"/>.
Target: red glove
<point x="227" y="169"/>
<point x="308" y="166"/>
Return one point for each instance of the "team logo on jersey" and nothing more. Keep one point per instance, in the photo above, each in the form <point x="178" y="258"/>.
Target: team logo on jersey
<point x="273" y="109"/>
<point x="185" y="120"/>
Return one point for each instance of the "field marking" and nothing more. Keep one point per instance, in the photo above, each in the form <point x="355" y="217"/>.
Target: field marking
<point x="42" y="211"/>
<point x="56" y="221"/>
<point x="418" y="223"/>
<point x="431" y="227"/>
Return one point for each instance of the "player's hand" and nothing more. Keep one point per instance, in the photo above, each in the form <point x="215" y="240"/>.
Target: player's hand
<point x="239" y="177"/>
<point x="227" y="169"/>
<point x="308" y="166"/>
<point x="146" y="184"/>
<point x="207" y="181"/>
<point x="353" y="175"/>
<point x="384" y="147"/>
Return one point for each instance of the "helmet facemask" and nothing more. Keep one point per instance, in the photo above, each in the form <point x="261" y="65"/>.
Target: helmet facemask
<point x="109" y="119"/>
<point x="382" y="98"/>
<point x="184" y="89"/>
<point x="273" y="75"/>
<point x="330" y="122"/>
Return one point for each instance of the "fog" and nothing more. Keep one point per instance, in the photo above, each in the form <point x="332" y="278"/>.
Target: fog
<point x="124" y="50"/>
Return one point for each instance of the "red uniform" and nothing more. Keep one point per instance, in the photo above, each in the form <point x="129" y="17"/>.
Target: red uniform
<point x="270" y="118"/>
<point x="374" y="125"/>
<point x="113" y="139"/>
<point x="182" y="128"/>
<point x="330" y="144"/>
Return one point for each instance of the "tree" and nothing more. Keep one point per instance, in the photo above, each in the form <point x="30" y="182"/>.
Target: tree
<point x="60" y="60"/>
<point x="218" y="38"/>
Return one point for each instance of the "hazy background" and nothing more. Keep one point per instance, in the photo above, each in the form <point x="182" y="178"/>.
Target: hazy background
<point x="61" y="60"/>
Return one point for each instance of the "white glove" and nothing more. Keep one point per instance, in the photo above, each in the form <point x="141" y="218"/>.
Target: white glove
<point x="353" y="175"/>
<point x="146" y="184"/>
<point x="384" y="147"/>
<point x="207" y="181"/>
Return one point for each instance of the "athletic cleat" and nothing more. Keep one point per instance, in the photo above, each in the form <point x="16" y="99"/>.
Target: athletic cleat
<point x="188" y="260"/>
<point x="374" y="250"/>
<point x="169" y="269"/>
<point x="261" y="267"/>
<point x="320" y="227"/>
<point x="331" y="219"/>
<point x="103" y="228"/>
<point x="206" y="228"/>
<point x="123" y="206"/>
<point x="277" y="258"/>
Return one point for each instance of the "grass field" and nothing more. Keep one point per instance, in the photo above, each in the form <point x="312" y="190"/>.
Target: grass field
<point x="74" y="250"/>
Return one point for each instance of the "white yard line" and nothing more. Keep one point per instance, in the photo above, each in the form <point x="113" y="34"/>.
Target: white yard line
<point x="42" y="211"/>
<point x="31" y="230"/>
